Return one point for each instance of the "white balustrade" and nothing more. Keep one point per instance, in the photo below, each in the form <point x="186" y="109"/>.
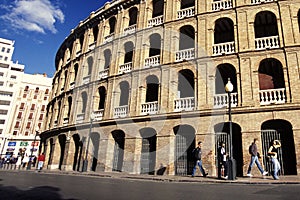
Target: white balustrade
<point x="103" y="74"/>
<point x="130" y="29"/>
<point x="260" y="1"/>
<point x="155" y="21"/>
<point x="221" y="100"/>
<point x="272" y="96"/>
<point x="86" y="80"/>
<point x="72" y="85"/>
<point x="66" y="121"/>
<point x="99" y="114"/>
<point x="185" y="54"/>
<point x="267" y="42"/>
<point x="92" y="46"/>
<point x="149" y="108"/>
<point x="223" y="48"/>
<point x="80" y="118"/>
<point x="125" y="68"/>
<point x="109" y="38"/>
<point x="186" y="104"/>
<point x="220" y="5"/>
<point x="121" y="111"/>
<point x="152" y="61"/>
<point x="78" y="53"/>
<point x="187" y="12"/>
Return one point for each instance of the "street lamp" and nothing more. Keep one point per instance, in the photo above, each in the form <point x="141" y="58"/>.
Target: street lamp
<point x="85" y="161"/>
<point x="30" y="158"/>
<point x="231" y="161"/>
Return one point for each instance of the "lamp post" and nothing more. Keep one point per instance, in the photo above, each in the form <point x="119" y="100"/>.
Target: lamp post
<point x="85" y="161"/>
<point x="30" y="158"/>
<point x="231" y="161"/>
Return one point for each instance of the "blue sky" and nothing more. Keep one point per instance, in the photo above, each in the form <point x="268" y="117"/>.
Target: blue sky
<point x="39" y="27"/>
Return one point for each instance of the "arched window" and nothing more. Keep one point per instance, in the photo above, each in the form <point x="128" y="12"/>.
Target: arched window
<point x="265" y="24"/>
<point x="158" y="8"/>
<point x="128" y="52"/>
<point x="95" y="32"/>
<point x="152" y="88"/>
<point x="102" y="96"/>
<point x="124" y="87"/>
<point x="155" y="45"/>
<point x="90" y="62"/>
<point x="112" y="25"/>
<point x="107" y="57"/>
<point x="84" y="101"/>
<point x="187" y="37"/>
<point x="185" y="83"/>
<point x="223" y="72"/>
<point x="224" y="31"/>
<point x="133" y="12"/>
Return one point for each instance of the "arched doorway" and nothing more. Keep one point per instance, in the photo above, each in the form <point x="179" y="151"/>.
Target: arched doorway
<point x="76" y="140"/>
<point x="184" y="145"/>
<point x="95" y="138"/>
<point x="283" y="131"/>
<point x="62" y="143"/>
<point x="119" y="137"/>
<point x="222" y="134"/>
<point x="148" y="152"/>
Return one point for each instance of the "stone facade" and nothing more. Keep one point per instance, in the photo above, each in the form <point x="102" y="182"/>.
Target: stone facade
<point x="138" y="83"/>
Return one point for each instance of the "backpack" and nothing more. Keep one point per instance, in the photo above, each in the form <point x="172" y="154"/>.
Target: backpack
<point x="250" y="149"/>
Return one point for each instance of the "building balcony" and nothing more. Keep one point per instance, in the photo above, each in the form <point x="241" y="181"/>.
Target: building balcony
<point x="155" y="21"/>
<point x="66" y="121"/>
<point x="121" y="111"/>
<point x="78" y="53"/>
<point x="92" y="46"/>
<point x="267" y="42"/>
<point x="223" y="48"/>
<point x="72" y="85"/>
<point x="103" y="74"/>
<point x="221" y="5"/>
<point x="152" y="61"/>
<point x="186" y="54"/>
<point x="125" y="68"/>
<point x="149" y="108"/>
<point x="260" y="1"/>
<point x="109" y="38"/>
<point x="130" y="29"/>
<point x="99" y="114"/>
<point x="80" y="118"/>
<point x="221" y="100"/>
<point x="272" y="96"/>
<point x="187" y="12"/>
<point x="86" y="79"/>
<point x="184" y="104"/>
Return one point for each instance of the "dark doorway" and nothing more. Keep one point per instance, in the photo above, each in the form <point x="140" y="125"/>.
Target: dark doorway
<point x="119" y="137"/>
<point x="148" y="154"/>
<point x="76" y="153"/>
<point x="62" y="142"/>
<point x="95" y="138"/>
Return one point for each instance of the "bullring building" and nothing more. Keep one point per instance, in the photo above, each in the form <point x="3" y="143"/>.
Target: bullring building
<point x="139" y="82"/>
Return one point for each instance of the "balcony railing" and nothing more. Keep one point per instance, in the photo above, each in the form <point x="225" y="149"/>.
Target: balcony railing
<point x="109" y="38"/>
<point x="187" y="12"/>
<point x="66" y="121"/>
<point x="185" y="54"/>
<point x="121" y="111"/>
<point x="272" y="96"/>
<point x="267" y="42"/>
<point x="155" y="21"/>
<point x="99" y="114"/>
<point x="130" y="29"/>
<point x="72" y="85"/>
<point x="186" y="104"/>
<point x="221" y="5"/>
<point x="260" y="1"/>
<point x="103" y="74"/>
<point x="86" y="79"/>
<point x="125" y="68"/>
<point x="152" y="61"/>
<point x="78" y="53"/>
<point x="92" y="46"/>
<point x="223" y="48"/>
<point x="149" y="108"/>
<point x="80" y="118"/>
<point x="221" y="100"/>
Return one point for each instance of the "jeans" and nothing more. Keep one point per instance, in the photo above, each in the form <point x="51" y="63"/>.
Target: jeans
<point x="276" y="166"/>
<point x="40" y="165"/>
<point x="254" y="159"/>
<point x="198" y="163"/>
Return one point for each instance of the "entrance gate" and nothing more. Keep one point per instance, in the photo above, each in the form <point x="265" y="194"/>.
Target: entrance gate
<point x="267" y="136"/>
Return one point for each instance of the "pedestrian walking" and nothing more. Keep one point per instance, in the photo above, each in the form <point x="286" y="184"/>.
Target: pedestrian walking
<point x="255" y="159"/>
<point x="273" y="153"/>
<point x="197" y="153"/>
<point x="41" y="160"/>
<point x="25" y="161"/>
<point x="222" y="161"/>
<point x="19" y="162"/>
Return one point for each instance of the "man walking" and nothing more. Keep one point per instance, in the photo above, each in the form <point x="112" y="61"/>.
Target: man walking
<point x="197" y="153"/>
<point x="222" y="161"/>
<point x="254" y="159"/>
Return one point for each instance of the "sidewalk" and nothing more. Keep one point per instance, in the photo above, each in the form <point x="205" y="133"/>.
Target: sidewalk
<point x="290" y="179"/>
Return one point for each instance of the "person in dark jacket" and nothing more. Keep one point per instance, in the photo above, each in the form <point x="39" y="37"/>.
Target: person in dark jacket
<point x="197" y="153"/>
<point x="222" y="161"/>
<point x="254" y="159"/>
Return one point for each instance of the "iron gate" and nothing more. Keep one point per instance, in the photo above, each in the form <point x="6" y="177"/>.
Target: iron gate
<point x="181" y="155"/>
<point x="221" y="137"/>
<point x="145" y="157"/>
<point x="267" y="136"/>
<point x="116" y="159"/>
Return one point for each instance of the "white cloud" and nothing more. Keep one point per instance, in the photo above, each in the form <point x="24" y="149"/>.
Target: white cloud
<point x="34" y="15"/>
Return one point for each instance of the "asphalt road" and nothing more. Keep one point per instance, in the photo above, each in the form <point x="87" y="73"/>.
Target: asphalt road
<point x="17" y="185"/>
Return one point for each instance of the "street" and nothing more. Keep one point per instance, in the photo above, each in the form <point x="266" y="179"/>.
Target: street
<point x="25" y="185"/>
